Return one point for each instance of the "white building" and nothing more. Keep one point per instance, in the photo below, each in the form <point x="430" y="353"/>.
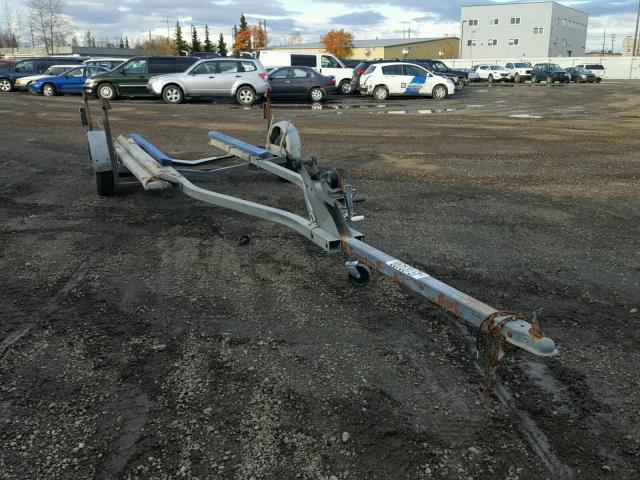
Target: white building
<point x="521" y="30"/>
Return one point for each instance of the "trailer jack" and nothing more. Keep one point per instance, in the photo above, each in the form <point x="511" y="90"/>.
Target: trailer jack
<point x="330" y="215"/>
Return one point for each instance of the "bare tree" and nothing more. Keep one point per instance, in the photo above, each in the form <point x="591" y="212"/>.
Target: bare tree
<point x="50" y="25"/>
<point x="295" y="38"/>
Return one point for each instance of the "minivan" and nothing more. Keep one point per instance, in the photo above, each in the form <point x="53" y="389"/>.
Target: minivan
<point x="130" y="79"/>
<point x="33" y="66"/>
<point x="324" y="63"/>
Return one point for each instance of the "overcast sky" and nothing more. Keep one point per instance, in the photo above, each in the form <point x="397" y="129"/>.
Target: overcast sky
<point x="364" y="18"/>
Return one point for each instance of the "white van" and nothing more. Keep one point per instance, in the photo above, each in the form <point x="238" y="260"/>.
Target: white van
<point x="324" y="63"/>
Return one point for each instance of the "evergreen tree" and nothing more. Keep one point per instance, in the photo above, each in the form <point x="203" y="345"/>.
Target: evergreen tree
<point x="222" y="47"/>
<point x="208" y="46"/>
<point x="126" y="42"/>
<point x="179" y="44"/>
<point x="196" y="46"/>
<point x="243" y="24"/>
<point x="121" y="43"/>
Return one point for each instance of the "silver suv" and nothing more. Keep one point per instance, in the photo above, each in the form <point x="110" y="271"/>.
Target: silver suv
<point x="242" y="78"/>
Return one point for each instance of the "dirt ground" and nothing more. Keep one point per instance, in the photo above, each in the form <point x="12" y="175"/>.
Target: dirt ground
<point x="141" y="341"/>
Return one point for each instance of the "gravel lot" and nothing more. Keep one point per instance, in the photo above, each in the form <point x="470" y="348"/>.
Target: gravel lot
<point x="141" y="341"/>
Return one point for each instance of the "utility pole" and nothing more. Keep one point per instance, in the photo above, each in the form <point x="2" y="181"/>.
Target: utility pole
<point x="604" y="38"/>
<point x="634" y="52"/>
<point x="613" y="39"/>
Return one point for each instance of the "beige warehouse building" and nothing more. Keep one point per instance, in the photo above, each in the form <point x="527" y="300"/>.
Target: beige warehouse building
<point x="441" y="47"/>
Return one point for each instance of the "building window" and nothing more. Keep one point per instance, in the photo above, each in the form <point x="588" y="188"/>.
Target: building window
<point x="492" y="42"/>
<point x="514" y="41"/>
<point x="515" y="20"/>
<point x="538" y="30"/>
<point x="473" y="23"/>
<point x="471" y="43"/>
<point x="493" y="21"/>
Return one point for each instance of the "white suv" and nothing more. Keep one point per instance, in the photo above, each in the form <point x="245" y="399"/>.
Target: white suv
<point x="492" y="73"/>
<point x="399" y="78"/>
<point x="519" y="71"/>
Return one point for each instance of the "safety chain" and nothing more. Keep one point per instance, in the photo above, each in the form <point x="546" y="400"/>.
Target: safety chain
<point x="493" y="352"/>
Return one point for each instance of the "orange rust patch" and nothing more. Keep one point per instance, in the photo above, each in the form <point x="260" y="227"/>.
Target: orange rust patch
<point x="449" y="305"/>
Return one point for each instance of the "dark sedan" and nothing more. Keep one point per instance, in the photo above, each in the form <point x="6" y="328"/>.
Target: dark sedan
<point x="301" y="82"/>
<point x="580" y="75"/>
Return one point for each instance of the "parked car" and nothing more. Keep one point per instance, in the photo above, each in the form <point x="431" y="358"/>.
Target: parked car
<point x="492" y="73"/>
<point x="301" y="82"/>
<point x="519" y="71"/>
<point x="53" y="71"/>
<point x="580" y="75"/>
<point x="323" y="63"/>
<point x="400" y="78"/>
<point x="6" y="65"/>
<point x="361" y="67"/>
<point x="71" y="81"/>
<point x="438" y="67"/>
<point x="596" y="68"/>
<point x="242" y="78"/>
<point x="130" y="78"/>
<point x="32" y="66"/>
<point x="472" y="75"/>
<point x="108" y="63"/>
<point x="550" y="73"/>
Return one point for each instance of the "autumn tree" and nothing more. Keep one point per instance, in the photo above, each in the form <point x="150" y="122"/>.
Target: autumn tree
<point x="222" y="46"/>
<point x="208" y="46"/>
<point x="196" y="46"/>
<point x="179" y="44"/>
<point x="338" y="42"/>
<point x="250" y="39"/>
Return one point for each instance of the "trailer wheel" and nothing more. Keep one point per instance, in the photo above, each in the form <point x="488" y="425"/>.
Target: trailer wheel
<point x="105" y="184"/>
<point x="365" y="275"/>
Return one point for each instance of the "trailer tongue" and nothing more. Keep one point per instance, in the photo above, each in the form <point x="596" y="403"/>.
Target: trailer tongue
<point x="330" y="213"/>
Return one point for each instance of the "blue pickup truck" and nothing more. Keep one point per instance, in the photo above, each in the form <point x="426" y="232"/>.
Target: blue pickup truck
<point x="32" y="66"/>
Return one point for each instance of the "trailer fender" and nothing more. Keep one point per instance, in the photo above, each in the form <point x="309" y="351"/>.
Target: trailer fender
<point x="99" y="151"/>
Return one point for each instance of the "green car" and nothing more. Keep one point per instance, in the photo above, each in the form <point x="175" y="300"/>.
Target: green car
<point x="130" y="79"/>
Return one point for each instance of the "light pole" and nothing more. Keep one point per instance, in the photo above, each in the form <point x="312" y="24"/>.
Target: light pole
<point x="634" y="52"/>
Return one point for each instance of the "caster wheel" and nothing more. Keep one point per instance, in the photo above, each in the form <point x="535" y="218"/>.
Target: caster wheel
<point x="365" y="274"/>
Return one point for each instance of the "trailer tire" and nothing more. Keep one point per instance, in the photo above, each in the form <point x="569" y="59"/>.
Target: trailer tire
<point x="104" y="184"/>
<point x="365" y="275"/>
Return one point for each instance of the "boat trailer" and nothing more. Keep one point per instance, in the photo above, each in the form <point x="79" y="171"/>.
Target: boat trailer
<point x="330" y="204"/>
